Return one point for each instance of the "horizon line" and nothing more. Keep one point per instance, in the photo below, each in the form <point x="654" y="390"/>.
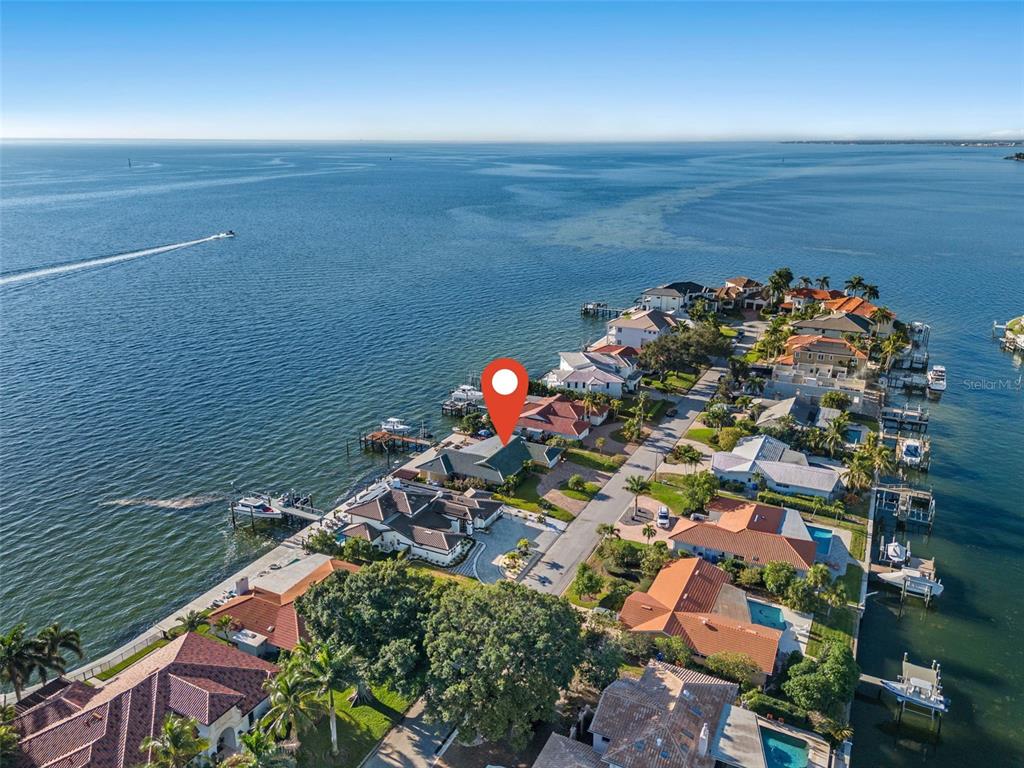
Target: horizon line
<point x="564" y="140"/>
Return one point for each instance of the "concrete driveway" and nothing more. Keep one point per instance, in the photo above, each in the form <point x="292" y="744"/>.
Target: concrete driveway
<point x="555" y="571"/>
<point x="410" y="744"/>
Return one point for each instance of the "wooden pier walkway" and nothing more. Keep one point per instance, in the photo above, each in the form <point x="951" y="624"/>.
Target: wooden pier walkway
<point x="382" y="441"/>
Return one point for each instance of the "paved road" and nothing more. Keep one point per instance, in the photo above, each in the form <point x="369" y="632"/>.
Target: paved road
<point x="555" y="571"/>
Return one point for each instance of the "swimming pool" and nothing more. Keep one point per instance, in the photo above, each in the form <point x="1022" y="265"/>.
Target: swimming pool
<point x="766" y="615"/>
<point x="782" y="750"/>
<point x="822" y="540"/>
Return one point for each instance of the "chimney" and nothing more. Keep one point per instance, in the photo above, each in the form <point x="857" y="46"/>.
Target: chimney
<point x="242" y="586"/>
<point x="704" y="741"/>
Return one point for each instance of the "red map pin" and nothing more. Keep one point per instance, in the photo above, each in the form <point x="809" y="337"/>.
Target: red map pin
<point x="504" y="383"/>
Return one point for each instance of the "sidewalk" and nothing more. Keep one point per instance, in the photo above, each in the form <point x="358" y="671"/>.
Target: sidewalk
<point x="554" y="572"/>
<point x="413" y="743"/>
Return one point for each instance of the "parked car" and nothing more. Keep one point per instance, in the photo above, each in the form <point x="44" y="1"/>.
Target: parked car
<point x="664" y="521"/>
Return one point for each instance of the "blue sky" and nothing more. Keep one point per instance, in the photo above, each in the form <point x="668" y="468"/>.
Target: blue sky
<point x="528" y="71"/>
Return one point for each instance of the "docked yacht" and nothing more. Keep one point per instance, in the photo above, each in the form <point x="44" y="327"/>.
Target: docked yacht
<point x="395" y="426"/>
<point x="466" y="393"/>
<point x="257" y="505"/>
<point x="897" y="553"/>
<point x="917" y="576"/>
<point x="937" y="380"/>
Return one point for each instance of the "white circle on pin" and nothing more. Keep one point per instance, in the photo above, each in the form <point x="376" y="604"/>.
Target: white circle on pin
<point x="504" y="381"/>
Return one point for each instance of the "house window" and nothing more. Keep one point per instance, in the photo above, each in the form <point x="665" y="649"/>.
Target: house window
<point x="821" y="356"/>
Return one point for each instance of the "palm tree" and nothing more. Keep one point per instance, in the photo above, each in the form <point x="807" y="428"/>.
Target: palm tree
<point x="870" y="292"/>
<point x="687" y="455"/>
<point x="649" y="532"/>
<point x="260" y="750"/>
<point x="20" y="655"/>
<point x="834" y="596"/>
<point x="805" y="281"/>
<point x="53" y="642"/>
<point x="223" y="626"/>
<point x="9" y="739"/>
<point x="607" y="531"/>
<point x="291" y="702"/>
<point x="835" y="433"/>
<point x="589" y="401"/>
<point x="325" y="669"/>
<point x="892" y="346"/>
<point x="859" y="475"/>
<point x="637" y="485"/>
<point x="819" y="576"/>
<point x="615" y="406"/>
<point x="176" y="745"/>
<point x="190" y="622"/>
<point x="822" y="282"/>
<point x="855" y="284"/>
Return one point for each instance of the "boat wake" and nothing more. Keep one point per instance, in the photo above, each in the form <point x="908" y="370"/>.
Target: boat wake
<point x="61" y="269"/>
<point x="183" y="502"/>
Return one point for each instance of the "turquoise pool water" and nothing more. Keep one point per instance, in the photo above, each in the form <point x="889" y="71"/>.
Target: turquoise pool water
<point x="782" y="750"/>
<point x="766" y="615"/>
<point x="822" y="540"/>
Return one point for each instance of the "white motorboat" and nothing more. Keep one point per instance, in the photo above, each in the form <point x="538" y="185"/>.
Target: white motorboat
<point x="912" y="453"/>
<point x="228" y="233"/>
<point x="466" y="393"/>
<point x="897" y="553"/>
<point x="395" y="426"/>
<point x="937" y="379"/>
<point x="917" y="581"/>
<point x="257" y="506"/>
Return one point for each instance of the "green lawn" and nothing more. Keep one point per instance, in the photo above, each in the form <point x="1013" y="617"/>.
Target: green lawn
<point x="526" y="497"/>
<point x="676" y="383"/>
<point x="751" y="356"/>
<point x="838" y="625"/>
<point x="359" y="729"/>
<point x="851" y="580"/>
<point x="589" y="491"/>
<point x="669" y="495"/>
<point x="594" y="460"/>
<point x="128" y="661"/>
<point x="728" y="331"/>
<point x="701" y="435"/>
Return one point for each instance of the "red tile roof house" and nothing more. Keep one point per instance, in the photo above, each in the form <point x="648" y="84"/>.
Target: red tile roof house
<point x="757" y="534"/>
<point x="75" y="725"/>
<point x="693" y="600"/>
<point x="265" y="622"/>
<point x="559" y="416"/>
<point x="822" y="356"/>
<point x="796" y="299"/>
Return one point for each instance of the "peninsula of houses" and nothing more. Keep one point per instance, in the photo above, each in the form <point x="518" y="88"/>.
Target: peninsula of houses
<point x="665" y="567"/>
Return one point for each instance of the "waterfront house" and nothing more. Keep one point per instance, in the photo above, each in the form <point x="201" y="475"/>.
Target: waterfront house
<point x="834" y="325"/>
<point x="610" y="374"/>
<point x="796" y="299"/>
<point x="486" y="460"/>
<point x="675" y="297"/>
<point x="822" y="357"/>
<point x="637" y="329"/>
<point x="756" y="534"/>
<point x="264" y="621"/>
<point x="799" y="409"/>
<point x="693" y="600"/>
<point x="559" y="416"/>
<point x="71" y="724"/>
<point x="672" y="717"/>
<point x="781" y="469"/>
<point x="429" y="523"/>
<point x="856" y="305"/>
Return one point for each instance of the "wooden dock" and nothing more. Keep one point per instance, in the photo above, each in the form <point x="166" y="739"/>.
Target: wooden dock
<point x="382" y="441"/>
<point x="599" y="309"/>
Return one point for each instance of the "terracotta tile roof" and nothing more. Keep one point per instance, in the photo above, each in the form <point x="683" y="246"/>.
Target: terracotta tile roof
<point x="682" y="601"/>
<point x="658" y="720"/>
<point x="815" y="294"/>
<point x="273" y="615"/>
<point x="824" y="344"/>
<point x="708" y="633"/>
<point x="748" y="530"/>
<point x="192" y="676"/>
<point x="556" y="415"/>
<point x="743" y="282"/>
<point x="562" y="752"/>
<point x="619" y="350"/>
<point x="853" y="304"/>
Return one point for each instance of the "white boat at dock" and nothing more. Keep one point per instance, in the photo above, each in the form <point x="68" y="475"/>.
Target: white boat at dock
<point x="466" y="393"/>
<point x="916" y="578"/>
<point x="911" y="452"/>
<point x="937" y="380"/>
<point x="258" y="506"/>
<point x="395" y="426"/>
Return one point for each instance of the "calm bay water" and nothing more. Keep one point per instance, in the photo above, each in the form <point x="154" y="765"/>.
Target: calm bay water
<point x="367" y="280"/>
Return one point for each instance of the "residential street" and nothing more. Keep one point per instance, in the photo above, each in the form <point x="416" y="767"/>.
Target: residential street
<point x="555" y="571"/>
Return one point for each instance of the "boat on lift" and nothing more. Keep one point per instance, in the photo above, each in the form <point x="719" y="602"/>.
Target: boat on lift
<point x="897" y="553"/>
<point x="257" y="505"/>
<point x="937" y="380"/>
<point x="395" y="426"/>
<point x="912" y="453"/>
<point x="466" y="393"/>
